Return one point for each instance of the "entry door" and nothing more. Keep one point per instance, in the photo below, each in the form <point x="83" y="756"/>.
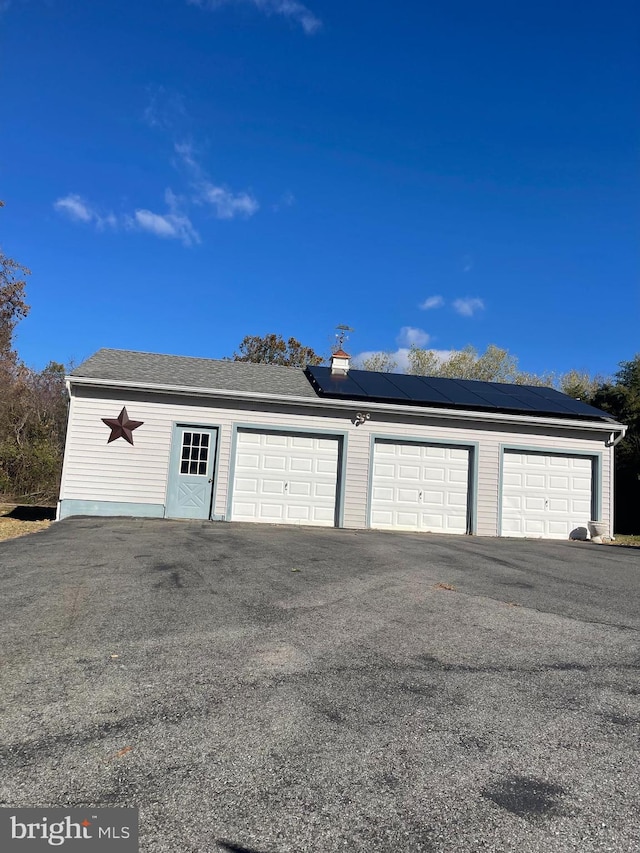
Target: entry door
<point x="420" y="487"/>
<point x="192" y="472"/>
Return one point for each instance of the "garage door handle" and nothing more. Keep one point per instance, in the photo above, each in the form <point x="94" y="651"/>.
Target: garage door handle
<point x="286" y="486"/>
<point x="420" y="496"/>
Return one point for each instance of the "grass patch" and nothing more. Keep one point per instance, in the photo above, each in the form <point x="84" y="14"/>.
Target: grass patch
<point x="622" y="539"/>
<point x="11" y="528"/>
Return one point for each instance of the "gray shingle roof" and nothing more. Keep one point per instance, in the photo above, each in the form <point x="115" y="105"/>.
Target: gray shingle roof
<point x="205" y="373"/>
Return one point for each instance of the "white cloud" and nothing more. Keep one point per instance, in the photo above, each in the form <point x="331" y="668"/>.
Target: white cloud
<point x="79" y="210"/>
<point x="410" y="336"/>
<point x="467" y="307"/>
<point x="291" y="9"/>
<point x="75" y="208"/>
<point x="172" y="225"/>
<point x="185" y="151"/>
<point x="432" y="302"/>
<point x="226" y="204"/>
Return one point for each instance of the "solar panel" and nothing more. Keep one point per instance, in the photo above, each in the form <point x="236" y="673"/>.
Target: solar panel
<point x="415" y="387"/>
<point x="456" y="393"/>
<point x="362" y="385"/>
<point x="378" y="385"/>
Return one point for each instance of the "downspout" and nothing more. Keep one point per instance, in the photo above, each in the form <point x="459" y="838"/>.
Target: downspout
<point x="615" y="441"/>
<point x="67" y="383"/>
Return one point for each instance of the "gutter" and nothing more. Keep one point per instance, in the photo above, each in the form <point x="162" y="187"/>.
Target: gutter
<point x="353" y="405"/>
<point x="612" y="442"/>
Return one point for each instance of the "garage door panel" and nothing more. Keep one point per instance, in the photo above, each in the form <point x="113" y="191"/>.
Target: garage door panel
<point x="270" y="512"/>
<point x="324" y="490"/>
<point x="286" y="478"/>
<point x="437" y="452"/>
<point x="458" y="453"/>
<point x="271" y="487"/>
<point x="433" y="498"/>
<point x="457" y="499"/>
<point x="297" y="513"/>
<point x="300" y="489"/>
<point x="249" y="487"/>
<point x="274" y="463"/>
<point x="560" y="462"/>
<point x="248" y="460"/>
<point x="248" y="511"/>
<point x="408" y="495"/>
<point x="274" y="439"/>
<point x="579" y="484"/>
<point x="383" y="470"/>
<point x="559" y="505"/>
<point x="534" y="481"/>
<point x="407" y="520"/>
<point x="381" y="518"/>
<point x="408" y="472"/>
<point x="545" y="495"/>
<point x="430" y="494"/>
<point x="533" y="504"/>
<point x="304" y="441"/>
<point x="512" y="479"/>
<point x="411" y="450"/>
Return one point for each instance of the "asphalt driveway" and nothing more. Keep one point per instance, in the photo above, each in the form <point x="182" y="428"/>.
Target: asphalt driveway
<point x="279" y="690"/>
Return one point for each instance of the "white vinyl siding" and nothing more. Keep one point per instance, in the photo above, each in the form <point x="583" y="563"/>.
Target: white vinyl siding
<point x="545" y="496"/>
<point x="420" y="487"/>
<point x="95" y="471"/>
<point x="285" y="478"/>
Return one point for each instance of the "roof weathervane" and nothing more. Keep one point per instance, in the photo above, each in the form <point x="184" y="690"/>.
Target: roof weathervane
<point x="342" y="335"/>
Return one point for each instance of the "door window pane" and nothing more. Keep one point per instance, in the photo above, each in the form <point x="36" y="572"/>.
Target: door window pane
<point x="195" y="454"/>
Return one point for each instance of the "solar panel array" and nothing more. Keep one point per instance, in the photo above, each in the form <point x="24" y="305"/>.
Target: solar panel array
<point x="434" y="391"/>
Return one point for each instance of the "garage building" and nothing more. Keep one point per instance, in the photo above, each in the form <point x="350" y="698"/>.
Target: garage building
<point x="175" y="437"/>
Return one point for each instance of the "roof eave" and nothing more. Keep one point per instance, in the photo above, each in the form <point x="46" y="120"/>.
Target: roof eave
<point x="327" y="402"/>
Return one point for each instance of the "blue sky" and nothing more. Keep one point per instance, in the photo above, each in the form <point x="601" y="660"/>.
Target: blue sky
<point x="181" y="173"/>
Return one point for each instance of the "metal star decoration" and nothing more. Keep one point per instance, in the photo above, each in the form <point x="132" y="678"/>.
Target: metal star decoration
<point x="121" y="427"/>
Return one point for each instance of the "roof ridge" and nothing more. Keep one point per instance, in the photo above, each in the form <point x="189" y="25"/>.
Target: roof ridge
<point x="194" y="358"/>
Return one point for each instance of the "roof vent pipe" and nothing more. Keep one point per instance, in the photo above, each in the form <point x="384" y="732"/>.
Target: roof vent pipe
<point x="340" y="363"/>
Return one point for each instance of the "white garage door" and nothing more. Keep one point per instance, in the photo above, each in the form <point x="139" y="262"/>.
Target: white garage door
<point x="285" y="478"/>
<point x="420" y="487"/>
<point x="545" y="496"/>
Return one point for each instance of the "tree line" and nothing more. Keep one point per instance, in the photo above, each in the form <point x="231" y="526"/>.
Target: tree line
<point x="33" y="404"/>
